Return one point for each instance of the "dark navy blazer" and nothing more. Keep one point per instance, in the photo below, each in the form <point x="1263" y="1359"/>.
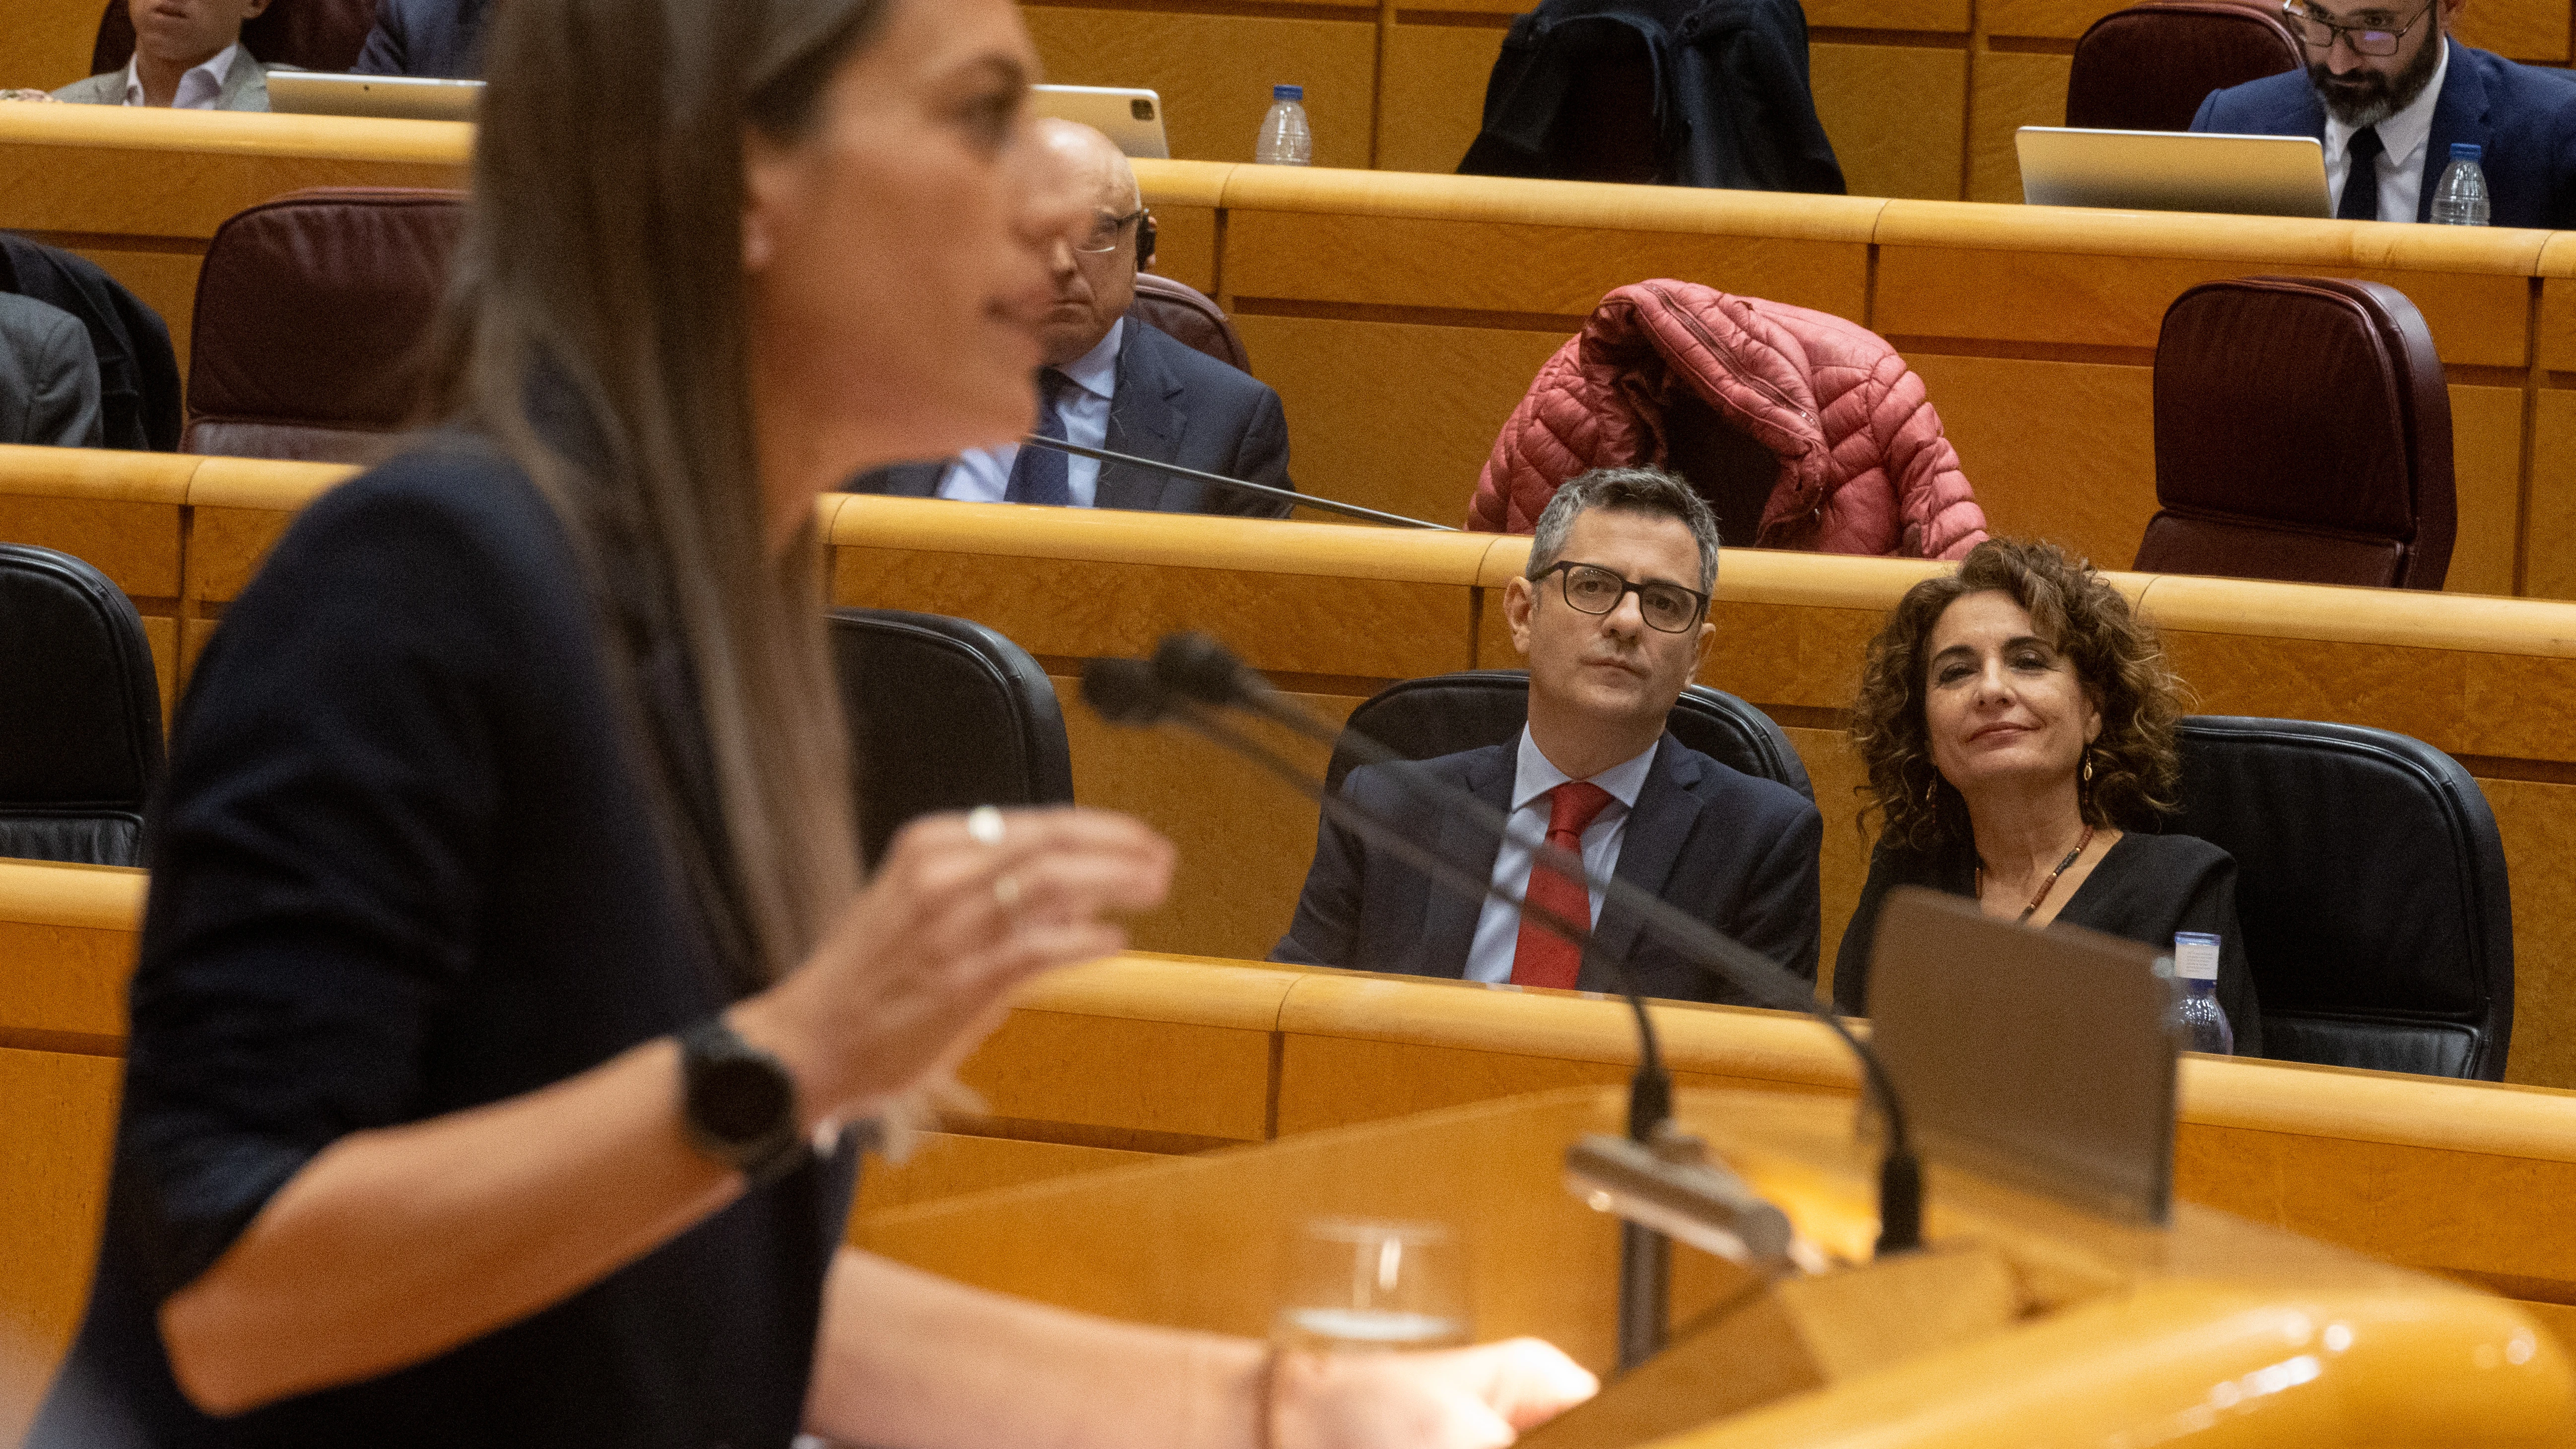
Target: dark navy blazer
<point x="438" y="38"/>
<point x="1174" y="404"/>
<point x="2524" y="117"/>
<point x="1736" y="851"/>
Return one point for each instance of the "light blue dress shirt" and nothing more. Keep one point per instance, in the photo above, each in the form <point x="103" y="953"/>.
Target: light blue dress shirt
<point x="983" y="475"/>
<point x="1498" y="928"/>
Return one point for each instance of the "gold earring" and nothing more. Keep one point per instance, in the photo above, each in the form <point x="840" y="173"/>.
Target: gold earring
<point x="1931" y="788"/>
<point x="2088" y="767"/>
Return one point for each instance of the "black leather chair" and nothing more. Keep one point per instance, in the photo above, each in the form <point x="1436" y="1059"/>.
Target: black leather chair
<point x="1423" y="718"/>
<point x="2371" y="888"/>
<point x="944" y="715"/>
<point x="80" y="712"/>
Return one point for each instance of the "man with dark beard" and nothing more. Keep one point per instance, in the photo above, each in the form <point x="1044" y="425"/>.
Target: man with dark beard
<point x="2389" y="93"/>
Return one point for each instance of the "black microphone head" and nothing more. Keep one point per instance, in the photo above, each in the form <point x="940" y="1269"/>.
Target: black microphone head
<point x="1124" y="691"/>
<point x="1198" y="666"/>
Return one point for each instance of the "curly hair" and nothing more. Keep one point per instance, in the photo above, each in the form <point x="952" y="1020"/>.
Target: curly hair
<point x="2116" y="657"/>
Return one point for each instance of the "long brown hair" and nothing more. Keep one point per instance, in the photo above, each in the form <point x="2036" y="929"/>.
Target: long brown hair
<point x="601" y="274"/>
<point x="2116" y="656"/>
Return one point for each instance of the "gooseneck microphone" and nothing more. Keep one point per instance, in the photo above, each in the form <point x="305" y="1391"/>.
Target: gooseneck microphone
<point x="1219" y="480"/>
<point x="1196" y="670"/>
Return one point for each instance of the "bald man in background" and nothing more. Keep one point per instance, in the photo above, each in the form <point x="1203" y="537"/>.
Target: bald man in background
<point x="1113" y="381"/>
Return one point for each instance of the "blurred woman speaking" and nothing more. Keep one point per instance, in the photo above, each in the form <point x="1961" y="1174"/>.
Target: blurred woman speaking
<point x="507" y="970"/>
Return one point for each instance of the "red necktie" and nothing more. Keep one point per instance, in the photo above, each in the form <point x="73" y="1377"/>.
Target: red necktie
<point x="1541" y="957"/>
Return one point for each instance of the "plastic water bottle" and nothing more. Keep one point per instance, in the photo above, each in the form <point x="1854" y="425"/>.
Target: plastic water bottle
<point x="2196" y="964"/>
<point x="1284" y="139"/>
<point x="2460" y="197"/>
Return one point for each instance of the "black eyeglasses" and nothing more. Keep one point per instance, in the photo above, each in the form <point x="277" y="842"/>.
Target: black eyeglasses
<point x="1103" y="236"/>
<point x="2374" y="39"/>
<point x="1595" y="590"/>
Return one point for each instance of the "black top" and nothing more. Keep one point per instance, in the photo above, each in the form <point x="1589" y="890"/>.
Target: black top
<point x="403" y="866"/>
<point x="2145" y="888"/>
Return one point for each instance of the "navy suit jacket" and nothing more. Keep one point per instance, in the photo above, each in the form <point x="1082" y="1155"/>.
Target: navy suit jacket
<point x="2524" y="117"/>
<point x="437" y="38"/>
<point x="1174" y="404"/>
<point x="1735" y="851"/>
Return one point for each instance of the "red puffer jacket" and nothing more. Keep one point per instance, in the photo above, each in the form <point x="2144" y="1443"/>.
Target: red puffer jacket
<point x="1864" y="467"/>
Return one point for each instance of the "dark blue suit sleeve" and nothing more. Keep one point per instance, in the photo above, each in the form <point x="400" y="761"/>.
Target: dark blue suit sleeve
<point x="1261" y="456"/>
<point x="383" y="54"/>
<point x="1325" y="930"/>
<point x="2206" y="118"/>
<point x="1779" y="912"/>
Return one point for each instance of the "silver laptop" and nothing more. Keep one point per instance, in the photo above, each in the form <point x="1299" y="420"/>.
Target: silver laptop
<point x="1131" y="118"/>
<point x="2173" y="171"/>
<point x="401" y="97"/>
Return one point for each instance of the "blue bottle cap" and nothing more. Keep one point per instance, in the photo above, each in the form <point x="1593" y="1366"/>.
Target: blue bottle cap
<point x="1298" y="94"/>
<point x="2467" y="151"/>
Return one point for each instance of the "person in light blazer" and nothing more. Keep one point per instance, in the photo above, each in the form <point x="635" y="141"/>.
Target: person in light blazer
<point x="188" y="56"/>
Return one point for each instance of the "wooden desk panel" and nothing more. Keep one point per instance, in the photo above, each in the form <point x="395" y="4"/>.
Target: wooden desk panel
<point x="1214" y="71"/>
<point x="1395" y="416"/>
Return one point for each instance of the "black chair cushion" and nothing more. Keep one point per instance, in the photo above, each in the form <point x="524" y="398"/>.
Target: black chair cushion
<point x="2371" y="888"/>
<point x="1422" y="719"/>
<point x="80" y="712"/>
<point x="944" y="715"/>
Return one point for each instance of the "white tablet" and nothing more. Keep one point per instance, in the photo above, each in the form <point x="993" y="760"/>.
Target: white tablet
<point x="1131" y="118"/>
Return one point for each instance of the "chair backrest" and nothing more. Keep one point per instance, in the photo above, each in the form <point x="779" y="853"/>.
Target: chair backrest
<point x="944" y="715"/>
<point x="2303" y="433"/>
<point x="80" y="712"/>
<point x="2148" y="68"/>
<point x="312" y="311"/>
<point x="2370" y="883"/>
<point x="312" y="34"/>
<point x="1191" y="318"/>
<point x="1421" y="719"/>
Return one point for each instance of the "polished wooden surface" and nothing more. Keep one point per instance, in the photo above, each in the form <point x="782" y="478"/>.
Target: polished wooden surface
<point x="1401" y="315"/>
<point x="1334" y="613"/>
<point x="1174" y="1055"/>
<point x="2101" y="1334"/>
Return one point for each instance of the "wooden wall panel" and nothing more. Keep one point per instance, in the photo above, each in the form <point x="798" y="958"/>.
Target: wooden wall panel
<point x="949" y="1164"/>
<point x="1835" y="772"/>
<point x="2486" y="475"/>
<point x="46" y="46"/>
<point x="54" y="1141"/>
<point x="1242" y="865"/>
<point x="2006" y="91"/>
<point x="1393" y="415"/>
<point x="2080" y="470"/>
<point x="1516" y="269"/>
<point x="1896" y="115"/>
<point x="2538" y="823"/>
<point x="2549" y="541"/>
<point x="2533" y="31"/>
<point x="1214" y="72"/>
<point x="1432" y="94"/>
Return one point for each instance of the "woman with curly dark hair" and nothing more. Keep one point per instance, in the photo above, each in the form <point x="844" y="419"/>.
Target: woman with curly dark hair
<point x="2017" y="721"/>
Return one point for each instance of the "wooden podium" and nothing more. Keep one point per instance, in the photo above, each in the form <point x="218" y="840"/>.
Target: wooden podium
<point x="2025" y="1322"/>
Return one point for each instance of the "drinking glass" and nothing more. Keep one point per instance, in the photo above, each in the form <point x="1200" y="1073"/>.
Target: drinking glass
<point x="1368" y="1285"/>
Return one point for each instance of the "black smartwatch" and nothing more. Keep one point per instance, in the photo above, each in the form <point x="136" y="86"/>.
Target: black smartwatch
<point x="739" y="1104"/>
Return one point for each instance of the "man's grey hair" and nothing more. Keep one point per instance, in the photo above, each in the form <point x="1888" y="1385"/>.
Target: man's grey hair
<point x="1632" y="490"/>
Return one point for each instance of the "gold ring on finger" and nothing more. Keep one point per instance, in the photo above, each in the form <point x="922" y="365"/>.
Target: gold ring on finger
<point x="1006" y="891"/>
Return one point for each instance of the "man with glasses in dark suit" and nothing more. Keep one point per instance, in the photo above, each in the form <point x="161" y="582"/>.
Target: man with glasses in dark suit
<point x="2388" y="93"/>
<point x="1113" y="381"/>
<point x="1612" y="615"/>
